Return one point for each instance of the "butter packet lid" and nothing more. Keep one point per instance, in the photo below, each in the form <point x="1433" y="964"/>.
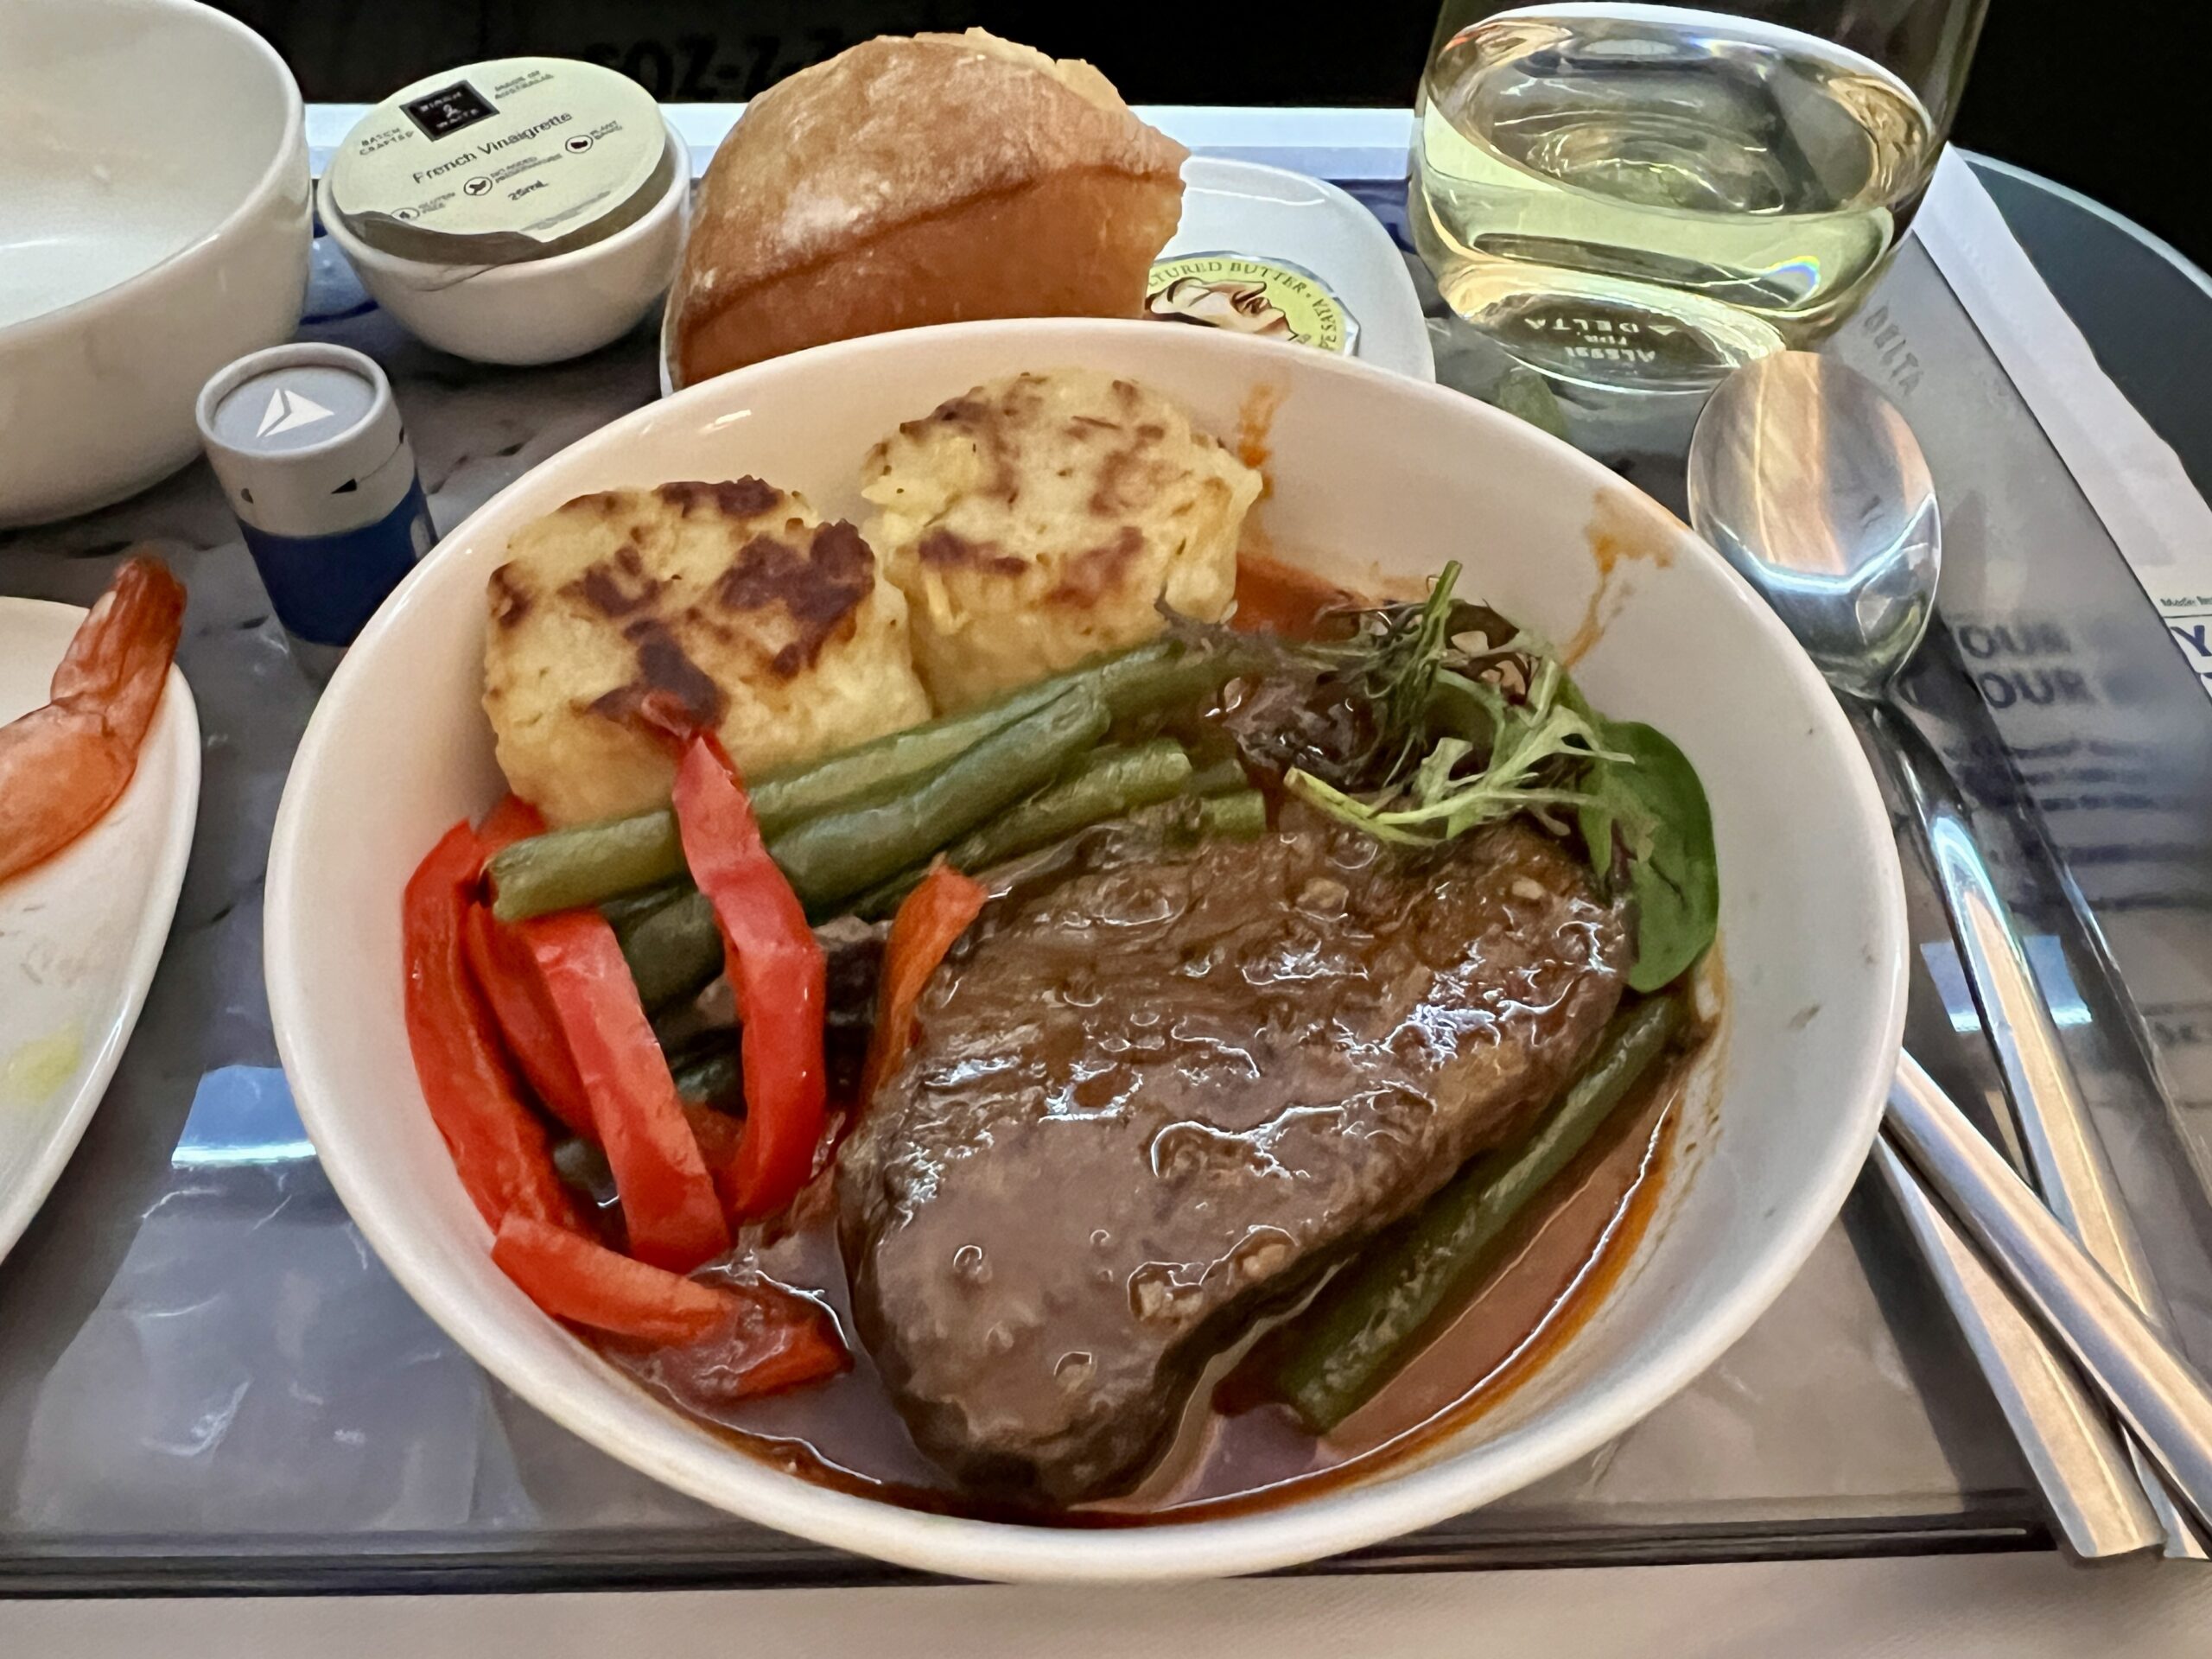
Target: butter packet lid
<point x="500" y="162"/>
<point x="1271" y="298"/>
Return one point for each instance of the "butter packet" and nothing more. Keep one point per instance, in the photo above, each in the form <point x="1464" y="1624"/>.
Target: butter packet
<point x="515" y="159"/>
<point x="1269" y="298"/>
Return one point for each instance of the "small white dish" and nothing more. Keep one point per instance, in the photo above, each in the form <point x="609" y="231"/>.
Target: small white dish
<point x="1269" y="213"/>
<point x="81" y="934"/>
<point x="1375" y="477"/>
<point x="153" y="226"/>
<point x="535" y="311"/>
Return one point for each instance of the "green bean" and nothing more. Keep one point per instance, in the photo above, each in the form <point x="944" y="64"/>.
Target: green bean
<point x="583" y="864"/>
<point x="711" y="1076"/>
<point x="1374" y="1316"/>
<point x="587" y="863"/>
<point x="584" y="1167"/>
<point x="675" y="952"/>
<point x="1239" y="815"/>
<point x="628" y="909"/>
<point x="1137" y="681"/>
<point x="1177" y="826"/>
<point x="839" y="854"/>
<point x="1108" y="783"/>
<point x="1149" y="679"/>
<point x="788" y="796"/>
<point x="1141" y="680"/>
<point x="1180" y="681"/>
<point x="1224" y="775"/>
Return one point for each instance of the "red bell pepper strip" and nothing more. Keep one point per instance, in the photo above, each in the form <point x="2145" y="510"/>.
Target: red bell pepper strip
<point x="572" y="1278"/>
<point x="776" y="971"/>
<point x="777" y="1340"/>
<point x="930" y="919"/>
<point x="512" y="820"/>
<point x="506" y="972"/>
<point x="498" y="1143"/>
<point x="720" y="1343"/>
<point x="668" y="1198"/>
<point x="718" y="1134"/>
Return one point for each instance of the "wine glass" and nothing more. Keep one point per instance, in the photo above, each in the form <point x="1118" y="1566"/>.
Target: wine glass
<point x="1648" y="196"/>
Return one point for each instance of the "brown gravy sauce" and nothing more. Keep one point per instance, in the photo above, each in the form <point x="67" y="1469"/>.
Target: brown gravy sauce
<point x="1273" y="596"/>
<point x="1622" y="531"/>
<point x="1235" y="1453"/>
<point x="1255" y="420"/>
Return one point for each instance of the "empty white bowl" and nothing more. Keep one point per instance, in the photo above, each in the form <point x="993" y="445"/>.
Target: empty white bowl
<point x="536" y="311"/>
<point x="153" y="225"/>
<point x="1373" y="475"/>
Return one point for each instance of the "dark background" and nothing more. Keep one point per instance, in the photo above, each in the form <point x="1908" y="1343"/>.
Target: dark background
<point x="2094" y="98"/>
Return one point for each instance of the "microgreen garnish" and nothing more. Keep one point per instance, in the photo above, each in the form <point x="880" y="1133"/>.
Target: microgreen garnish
<point x="1536" y="749"/>
<point x="1422" y="722"/>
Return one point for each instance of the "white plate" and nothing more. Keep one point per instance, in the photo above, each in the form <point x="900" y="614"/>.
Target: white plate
<point x="1374" y="476"/>
<point x="81" y="933"/>
<point x="1270" y="212"/>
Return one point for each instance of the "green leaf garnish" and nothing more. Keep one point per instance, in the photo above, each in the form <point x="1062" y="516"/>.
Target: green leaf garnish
<point x="1527" y="740"/>
<point x="1457" y="736"/>
<point x="1650" y="794"/>
<point x="1406" y="669"/>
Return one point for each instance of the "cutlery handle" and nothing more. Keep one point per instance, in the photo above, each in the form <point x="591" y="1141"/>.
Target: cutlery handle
<point x="2156" y="1394"/>
<point x="2064" y="1155"/>
<point x="2086" y="1474"/>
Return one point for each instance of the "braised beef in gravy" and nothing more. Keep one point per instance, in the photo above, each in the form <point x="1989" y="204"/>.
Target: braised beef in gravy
<point x="1150" y="1099"/>
<point x="1157" y="1095"/>
<point x="1235" y="1447"/>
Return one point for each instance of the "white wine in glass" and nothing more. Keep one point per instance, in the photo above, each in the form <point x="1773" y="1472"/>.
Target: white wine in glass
<point x="1646" y="196"/>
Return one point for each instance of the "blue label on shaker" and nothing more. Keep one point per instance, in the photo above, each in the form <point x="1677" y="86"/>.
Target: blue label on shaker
<point x="325" y="587"/>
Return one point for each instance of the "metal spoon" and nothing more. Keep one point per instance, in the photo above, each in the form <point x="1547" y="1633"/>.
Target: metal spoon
<point x="1811" y="484"/>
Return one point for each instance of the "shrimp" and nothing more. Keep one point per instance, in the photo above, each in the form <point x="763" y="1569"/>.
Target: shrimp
<point x="64" y="764"/>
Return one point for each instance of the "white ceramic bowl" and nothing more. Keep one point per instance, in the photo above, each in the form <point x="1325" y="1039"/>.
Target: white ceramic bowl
<point x="537" y="310"/>
<point x="1369" y="470"/>
<point x="153" y="225"/>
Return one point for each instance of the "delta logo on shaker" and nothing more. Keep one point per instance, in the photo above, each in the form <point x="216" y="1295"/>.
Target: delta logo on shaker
<point x="288" y="411"/>
<point x="308" y="442"/>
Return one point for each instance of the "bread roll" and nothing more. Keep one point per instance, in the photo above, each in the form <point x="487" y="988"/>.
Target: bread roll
<point x="917" y="180"/>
